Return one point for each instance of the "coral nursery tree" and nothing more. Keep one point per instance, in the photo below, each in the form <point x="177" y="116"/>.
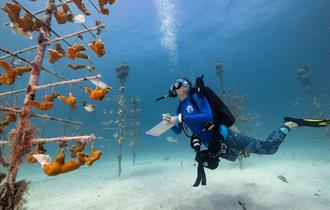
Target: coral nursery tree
<point x="135" y="122"/>
<point x="122" y="73"/>
<point x="21" y="139"/>
<point x="304" y="75"/>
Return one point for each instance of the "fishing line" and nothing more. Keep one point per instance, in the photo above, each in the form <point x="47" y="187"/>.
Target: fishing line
<point x="43" y="128"/>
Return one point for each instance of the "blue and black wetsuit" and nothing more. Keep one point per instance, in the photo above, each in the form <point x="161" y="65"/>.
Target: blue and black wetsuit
<point x="196" y="118"/>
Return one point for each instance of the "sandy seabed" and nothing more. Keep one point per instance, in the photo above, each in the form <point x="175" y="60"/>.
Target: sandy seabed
<point x="158" y="184"/>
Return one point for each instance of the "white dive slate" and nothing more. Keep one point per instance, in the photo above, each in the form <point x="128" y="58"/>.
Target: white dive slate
<point x="159" y="129"/>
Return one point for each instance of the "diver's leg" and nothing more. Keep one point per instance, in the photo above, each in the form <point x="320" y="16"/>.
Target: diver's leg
<point x="252" y="145"/>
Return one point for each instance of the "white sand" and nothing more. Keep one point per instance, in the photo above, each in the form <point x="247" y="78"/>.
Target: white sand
<point x="159" y="184"/>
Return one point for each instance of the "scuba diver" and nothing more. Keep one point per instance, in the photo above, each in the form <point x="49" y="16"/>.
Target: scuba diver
<point x="211" y="124"/>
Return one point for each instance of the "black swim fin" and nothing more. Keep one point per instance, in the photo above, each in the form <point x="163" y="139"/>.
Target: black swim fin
<point x="310" y="122"/>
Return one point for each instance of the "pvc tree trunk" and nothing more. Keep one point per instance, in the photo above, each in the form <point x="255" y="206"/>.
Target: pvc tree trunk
<point x="11" y="192"/>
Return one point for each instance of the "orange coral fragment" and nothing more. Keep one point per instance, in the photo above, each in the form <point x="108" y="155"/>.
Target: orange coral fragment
<point x="81" y="6"/>
<point x="11" y="73"/>
<point x="30" y="159"/>
<point x="47" y="103"/>
<point x="9" y="118"/>
<point x="62" y="16"/>
<point x="71" y="100"/>
<point x="59" y="48"/>
<point x="45" y="106"/>
<point x="78" y="148"/>
<point x="95" y="155"/>
<point x="26" y="24"/>
<point x="54" y="55"/>
<point x="9" y="78"/>
<point x="98" y="93"/>
<point x="51" y="97"/>
<point x="39" y="150"/>
<point x="74" y="52"/>
<point x="97" y="47"/>
<point x="2" y="177"/>
<point x="90" y="68"/>
<point x="76" y="66"/>
<point x="3" y="79"/>
<point x="80" y="66"/>
<point x="105" y="11"/>
<point x="13" y="11"/>
<point x="6" y="80"/>
<point x="22" y="69"/>
<point x="59" y="166"/>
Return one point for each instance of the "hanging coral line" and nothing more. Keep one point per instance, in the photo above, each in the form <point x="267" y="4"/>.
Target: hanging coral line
<point x="12" y="92"/>
<point x="58" y="5"/>
<point x="74" y="81"/>
<point x="37" y="19"/>
<point x="76" y="33"/>
<point x="66" y="82"/>
<point x="42" y="68"/>
<point x="10" y="110"/>
<point x="52" y="41"/>
<point x="94" y="6"/>
<point x="44" y="116"/>
<point x="41" y="11"/>
<point x="18" y="52"/>
<point x="82" y="139"/>
<point x="81" y="23"/>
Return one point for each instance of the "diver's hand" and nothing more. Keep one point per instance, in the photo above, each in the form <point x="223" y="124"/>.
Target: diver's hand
<point x="169" y="119"/>
<point x="166" y="117"/>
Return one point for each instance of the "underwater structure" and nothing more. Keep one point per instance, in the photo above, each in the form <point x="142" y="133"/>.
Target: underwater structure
<point x="135" y="122"/>
<point x="122" y="73"/>
<point x="23" y="142"/>
<point x="304" y="76"/>
<point x="219" y="71"/>
<point x="236" y="104"/>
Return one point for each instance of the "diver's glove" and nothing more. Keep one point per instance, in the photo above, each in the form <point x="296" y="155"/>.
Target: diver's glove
<point x="195" y="144"/>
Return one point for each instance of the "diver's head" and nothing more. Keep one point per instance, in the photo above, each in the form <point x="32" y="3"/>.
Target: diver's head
<point x="181" y="88"/>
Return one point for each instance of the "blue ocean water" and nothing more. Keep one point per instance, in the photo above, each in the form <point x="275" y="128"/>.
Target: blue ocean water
<point x="261" y="44"/>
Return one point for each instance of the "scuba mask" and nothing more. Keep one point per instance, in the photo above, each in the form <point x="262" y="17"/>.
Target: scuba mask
<point x="176" y="85"/>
